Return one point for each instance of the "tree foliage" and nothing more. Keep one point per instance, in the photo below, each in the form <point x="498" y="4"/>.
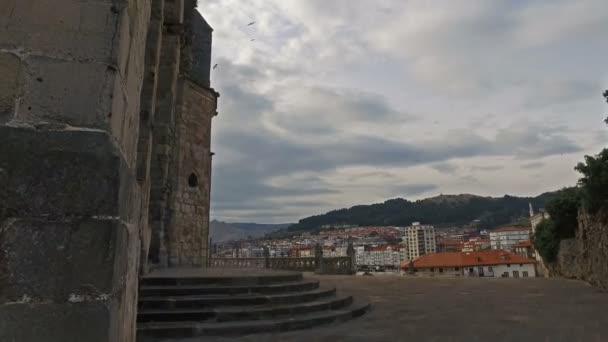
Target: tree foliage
<point x="546" y="240"/>
<point x="564" y="212"/>
<point x="594" y="183"/>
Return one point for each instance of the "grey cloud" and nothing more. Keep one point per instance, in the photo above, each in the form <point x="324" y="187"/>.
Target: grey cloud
<point x="372" y="175"/>
<point x="284" y="108"/>
<point x="551" y="93"/>
<point x="412" y="189"/>
<point x="444" y="168"/>
<point x="488" y="168"/>
<point x="533" y="165"/>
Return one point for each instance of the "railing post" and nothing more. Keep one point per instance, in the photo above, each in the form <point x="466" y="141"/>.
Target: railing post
<point x="319" y="259"/>
<point x="209" y="252"/>
<point x="266" y="254"/>
<point x="350" y="251"/>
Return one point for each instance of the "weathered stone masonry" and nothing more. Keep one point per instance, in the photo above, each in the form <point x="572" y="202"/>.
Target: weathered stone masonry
<point x="105" y="113"/>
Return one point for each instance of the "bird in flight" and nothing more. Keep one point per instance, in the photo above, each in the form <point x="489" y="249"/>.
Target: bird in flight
<point x="251" y="23"/>
<point x="215" y="66"/>
<point x="252" y="40"/>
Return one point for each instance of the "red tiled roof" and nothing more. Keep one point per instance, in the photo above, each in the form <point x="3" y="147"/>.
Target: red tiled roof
<point x="464" y="259"/>
<point x="522" y="244"/>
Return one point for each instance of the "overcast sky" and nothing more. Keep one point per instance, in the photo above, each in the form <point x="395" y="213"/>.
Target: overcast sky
<point x="344" y="102"/>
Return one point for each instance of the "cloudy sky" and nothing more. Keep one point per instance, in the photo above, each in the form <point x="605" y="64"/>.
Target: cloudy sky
<point x="344" y="102"/>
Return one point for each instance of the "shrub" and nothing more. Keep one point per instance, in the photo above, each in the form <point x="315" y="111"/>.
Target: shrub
<point x="564" y="212"/>
<point x="594" y="183"/>
<point x="546" y="240"/>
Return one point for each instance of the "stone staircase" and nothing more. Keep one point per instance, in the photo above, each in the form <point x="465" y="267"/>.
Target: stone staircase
<point x="180" y="307"/>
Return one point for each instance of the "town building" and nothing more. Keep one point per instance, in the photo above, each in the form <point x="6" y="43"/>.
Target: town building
<point x="420" y="240"/>
<point x="504" y="238"/>
<point x="524" y="249"/>
<point x="476" y="244"/>
<point x="449" y="245"/>
<point x="383" y="256"/>
<point x="489" y="263"/>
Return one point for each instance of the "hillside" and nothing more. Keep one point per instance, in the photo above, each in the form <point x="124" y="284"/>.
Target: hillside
<point x="222" y="231"/>
<point x="442" y="210"/>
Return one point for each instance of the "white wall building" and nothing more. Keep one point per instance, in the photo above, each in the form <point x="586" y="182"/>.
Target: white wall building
<point x="489" y="263"/>
<point x="504" y="238"/>
<point x="383" y="256"/>
<point x="420" y="240"/>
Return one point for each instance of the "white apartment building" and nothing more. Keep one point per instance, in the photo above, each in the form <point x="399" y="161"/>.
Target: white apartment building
<point x="391" y="256"/>
<point x="504" y="238"/>
<point x="420" y="240"/>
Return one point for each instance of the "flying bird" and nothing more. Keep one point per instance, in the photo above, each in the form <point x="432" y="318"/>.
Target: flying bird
<point x="215" y="66"/>
<point x="252" y="40"/>
<point x="251" y="23"/>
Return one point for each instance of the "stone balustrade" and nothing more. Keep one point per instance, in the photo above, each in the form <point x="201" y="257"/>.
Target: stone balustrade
<point x="317" y="263"/>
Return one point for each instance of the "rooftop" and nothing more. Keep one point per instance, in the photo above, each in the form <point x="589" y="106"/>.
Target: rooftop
<point x="465" y="259"/>
<point x="522" y="244"/>
<point x="510" y="229"/>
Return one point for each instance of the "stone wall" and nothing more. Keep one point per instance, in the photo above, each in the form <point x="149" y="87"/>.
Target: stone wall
<point x="94" y="163"/>
<point x="181" y="158"/>
<point x="70" y="205"/>
<point x="585" y="257"/>
<point x="190" y="189"/>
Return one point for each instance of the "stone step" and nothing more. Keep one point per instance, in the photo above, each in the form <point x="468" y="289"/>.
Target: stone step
<point x="181" y="290"/>
<point x="228" y="280"/>
<point x="159" y="330"/>
<point x="226" y="314"/>
<point x="206" y="301"/>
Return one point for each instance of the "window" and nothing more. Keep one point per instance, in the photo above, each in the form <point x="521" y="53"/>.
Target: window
<point x="490" y="269"/>
<point x="505" y="275"/>
<point x="525" y="274"/>
<point x="440" y="270"/>
<point x="515" y="274"/>
<point x="193" y="180"/>
<point x="432" y="269"/>
<point x="508" y="265"/>
<point x="456" y="268"/>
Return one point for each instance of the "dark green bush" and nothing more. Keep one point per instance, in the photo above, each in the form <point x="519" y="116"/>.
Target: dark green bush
<point x="546" y="240"/>
<point x="564" y="212"/>
<point x="594" y="183"/>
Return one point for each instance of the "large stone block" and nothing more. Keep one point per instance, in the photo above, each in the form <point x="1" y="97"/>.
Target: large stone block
<point x="71" y="92"/>
<point x="54" y="174"/>
<point x="55" y="322"/>
<point x="62" y="261"/>
<point x="10" y="69"/>
<point x="67" y="29"/>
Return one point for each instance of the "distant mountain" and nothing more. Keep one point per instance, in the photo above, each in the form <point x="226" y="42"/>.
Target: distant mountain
<point x="222" y="231"/>
<point x="444" y="210"/>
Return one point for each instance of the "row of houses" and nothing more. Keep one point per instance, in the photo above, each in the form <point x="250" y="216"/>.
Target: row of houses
<point x="488" y="263"/>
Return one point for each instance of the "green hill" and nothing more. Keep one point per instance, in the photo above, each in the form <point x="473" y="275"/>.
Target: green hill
<point x="444" y="210"/>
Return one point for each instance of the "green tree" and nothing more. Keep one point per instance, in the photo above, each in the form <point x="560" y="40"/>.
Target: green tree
<point x="546" y="240"/>
<point x="564" y="212"/>
<point x="594" y="183"/>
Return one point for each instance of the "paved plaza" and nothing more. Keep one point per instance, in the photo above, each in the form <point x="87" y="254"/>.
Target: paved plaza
<point x="471" y="309"/>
